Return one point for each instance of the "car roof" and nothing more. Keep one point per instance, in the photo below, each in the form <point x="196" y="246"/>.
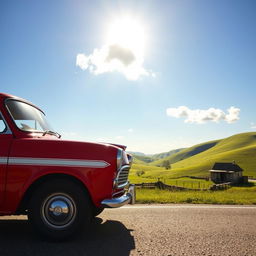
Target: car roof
<point x="4" y="96"/>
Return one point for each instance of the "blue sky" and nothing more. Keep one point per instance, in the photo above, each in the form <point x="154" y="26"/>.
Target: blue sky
<point x="198" y="54"/>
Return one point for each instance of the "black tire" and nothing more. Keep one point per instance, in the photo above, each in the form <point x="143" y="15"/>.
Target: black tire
<point x="97" y="211"/>
<point x="60" y="208"/>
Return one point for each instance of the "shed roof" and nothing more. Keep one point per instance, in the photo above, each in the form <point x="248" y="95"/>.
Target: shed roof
<point x="227" y="167"/>
<point x="221" y="171"/>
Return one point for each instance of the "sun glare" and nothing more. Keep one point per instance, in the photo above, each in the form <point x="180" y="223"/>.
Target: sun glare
<point x="128" y="33"/>
<point x="123" y="50"/>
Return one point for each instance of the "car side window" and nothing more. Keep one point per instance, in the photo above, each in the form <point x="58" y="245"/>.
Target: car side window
<point x="2" y="124"/>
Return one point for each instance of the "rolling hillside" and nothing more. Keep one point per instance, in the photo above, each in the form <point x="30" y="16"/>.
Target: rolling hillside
<point x="141" y="157"/>
<point x="199" y="159"/>
<point x="240" y="148"/>
<point x="186" y="153"/>
<point x="156" y="157"/>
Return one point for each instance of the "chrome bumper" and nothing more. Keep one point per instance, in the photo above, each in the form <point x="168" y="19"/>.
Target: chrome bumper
<point x="128" y="198"/>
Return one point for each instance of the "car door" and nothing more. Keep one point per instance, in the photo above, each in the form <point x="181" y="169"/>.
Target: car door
<point x="5" y="142"/>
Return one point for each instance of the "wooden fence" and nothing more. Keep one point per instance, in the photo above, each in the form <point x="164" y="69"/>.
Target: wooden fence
<point x="222" y="186"/>
<point x="196" y="177"/>
<point x="161" y="185"/>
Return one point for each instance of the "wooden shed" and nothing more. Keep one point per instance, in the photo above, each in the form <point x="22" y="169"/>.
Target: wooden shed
<point x="226" y="172"/>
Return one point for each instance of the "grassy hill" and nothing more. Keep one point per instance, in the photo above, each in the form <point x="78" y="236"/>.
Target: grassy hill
<point x="140" y="157"/>
<point x="156" y="157"/>
<point x="199" y="159"/>
<point x="186" y="153"/>
<point x="240" y="147"/>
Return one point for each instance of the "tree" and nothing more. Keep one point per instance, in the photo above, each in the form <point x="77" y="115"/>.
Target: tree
<point x="139" y="173"/>
<point x="166" y="164"/>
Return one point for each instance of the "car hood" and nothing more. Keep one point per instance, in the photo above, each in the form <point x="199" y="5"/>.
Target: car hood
<point x="64" y="149"/>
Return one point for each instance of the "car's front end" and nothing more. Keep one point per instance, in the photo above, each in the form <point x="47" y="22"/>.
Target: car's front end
<point x="123" y="192"/>
<point x="107" y="183"/>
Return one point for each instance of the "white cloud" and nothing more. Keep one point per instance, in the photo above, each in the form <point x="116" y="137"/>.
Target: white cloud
<point x="233" y="115"/>
<point x="114" y="57"/>
<point x="130" y="130"/>
<point x="201" y="116"/>
<point x="253" y="125"/>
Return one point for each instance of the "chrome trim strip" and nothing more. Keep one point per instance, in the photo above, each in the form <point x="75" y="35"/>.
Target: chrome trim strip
<point x="3" y="160"/>
<point x="120" y="173"/>
<point x="128" y="198"/>
<point x="123" y="185"/>
<point x="119" y="192"/>
<point x="116" y="202"/>
<point x="57" y="162"/>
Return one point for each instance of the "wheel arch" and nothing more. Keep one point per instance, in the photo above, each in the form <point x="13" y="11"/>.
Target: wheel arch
<point x="23" y="206"/>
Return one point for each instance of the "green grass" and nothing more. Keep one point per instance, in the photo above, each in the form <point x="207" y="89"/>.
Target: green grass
<point x="153" y="173"/>
<point x="180" y="182"/>
<point x="235" y="195"/>
<point x="189" y="183"/>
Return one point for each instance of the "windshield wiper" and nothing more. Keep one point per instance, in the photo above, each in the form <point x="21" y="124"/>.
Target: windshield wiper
<point x="51" y="133"/>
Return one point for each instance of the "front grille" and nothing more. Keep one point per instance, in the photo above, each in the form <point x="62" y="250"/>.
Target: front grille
<point x="122" y="176"/>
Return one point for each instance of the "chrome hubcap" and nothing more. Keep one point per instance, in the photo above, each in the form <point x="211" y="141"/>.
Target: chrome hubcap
<point x="58" y="210"/>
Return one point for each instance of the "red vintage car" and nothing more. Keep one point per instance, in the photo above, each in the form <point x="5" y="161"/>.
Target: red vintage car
<point x="59" y="184"/>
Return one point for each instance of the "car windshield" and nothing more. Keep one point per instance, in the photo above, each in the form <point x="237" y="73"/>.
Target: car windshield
<point x="26" y="117"/>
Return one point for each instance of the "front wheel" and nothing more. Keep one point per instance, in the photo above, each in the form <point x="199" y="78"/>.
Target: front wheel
<point x="60" y="208"/>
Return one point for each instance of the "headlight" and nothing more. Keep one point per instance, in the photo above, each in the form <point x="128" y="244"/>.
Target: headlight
<point x="122" y="158"/>
<point x="119" y="158"/>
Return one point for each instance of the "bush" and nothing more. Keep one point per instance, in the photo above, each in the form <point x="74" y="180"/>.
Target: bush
<point x="139" y="173"/>
<point x="166" y="164"/>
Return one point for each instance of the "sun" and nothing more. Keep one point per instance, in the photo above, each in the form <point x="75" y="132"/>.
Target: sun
<point x="128" y="33"/>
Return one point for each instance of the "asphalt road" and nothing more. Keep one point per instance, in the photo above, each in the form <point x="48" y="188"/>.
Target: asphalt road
<point x="145" y="230"/>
